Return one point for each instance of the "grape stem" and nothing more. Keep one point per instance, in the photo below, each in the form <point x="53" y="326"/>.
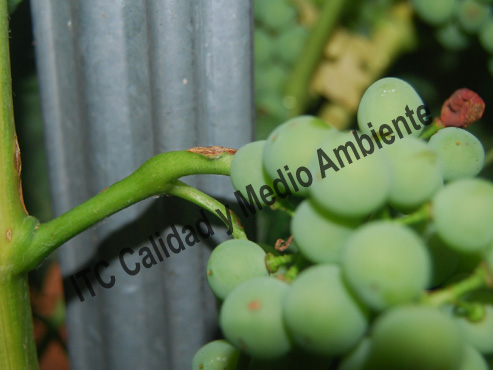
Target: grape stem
<point x="297" y="85"/>
<point x="157" y="176"/>
<point x="283" y="206"/>
<point x="474" y="312"/>
<point x="17" y="345"/>
<point x="436" y="126"/>
<point x="193" y="195"/>
<point x="27" y="241"/>
<point x="294" y="270"/>
<point x="480" y="278"/>
<point x="273" y="263"/>
<point x="422" y="214"/>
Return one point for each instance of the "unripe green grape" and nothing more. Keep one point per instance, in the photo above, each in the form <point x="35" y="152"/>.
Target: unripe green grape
<point x="471" y="15"/>
<point x="462" y="213"/>
<point x="321" y="314"/>
<point x="460" y="153"/>
<point x="435" y="12"/>
<point x="356" y="189"/>
<point x="294" y="144"/>
<point x="385" y="264"/>
<point x="451" y="37"/>
<point x="263" y="45"/>
<point x="251" y="318"/>
<point x="358" y="357"/>
<point x="289" y="44"/>
<point x="319" y="236"/>
<point x="478" y="333"/>
<point x="384" y="101"/>
<point x="216" y="355"/>
<point x="247" y="169"/>
<point x="486" y="35"/>
<point x="472" y="359"/>
<point x="411" y="162"/>
<point x="415" y="337"/>
<point x="233" y="262"/>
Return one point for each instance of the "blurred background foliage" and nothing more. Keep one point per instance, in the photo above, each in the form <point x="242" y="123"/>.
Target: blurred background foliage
<point x="311" y="57"/>
<point x="319" y="56"/>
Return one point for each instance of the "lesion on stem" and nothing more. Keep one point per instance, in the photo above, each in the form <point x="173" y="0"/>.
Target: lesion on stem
<point x="211" y="151"/>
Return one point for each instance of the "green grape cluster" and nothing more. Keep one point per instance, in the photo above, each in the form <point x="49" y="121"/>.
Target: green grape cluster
<point x="384" y="221"/>
<point x="458" y="21"/>
<point x="279" y="38"/>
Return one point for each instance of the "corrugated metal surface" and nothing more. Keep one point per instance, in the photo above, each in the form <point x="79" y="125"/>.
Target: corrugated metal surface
<point x="122" y="80"/>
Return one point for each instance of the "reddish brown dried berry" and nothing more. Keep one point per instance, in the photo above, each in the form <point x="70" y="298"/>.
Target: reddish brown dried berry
<point x="463" y="108"/>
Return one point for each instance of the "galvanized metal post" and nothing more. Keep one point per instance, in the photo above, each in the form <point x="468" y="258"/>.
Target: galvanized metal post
<point x="122" y="80"/>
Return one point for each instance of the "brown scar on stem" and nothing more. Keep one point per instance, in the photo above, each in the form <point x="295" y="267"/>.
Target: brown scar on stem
<point x="9" y="234"/>
<point x="18" y="167"/>
<point x="211" y="151"/>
